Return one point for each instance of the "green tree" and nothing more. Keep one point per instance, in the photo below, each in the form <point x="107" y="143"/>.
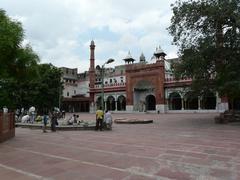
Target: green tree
<point x="48" y="87"/>
<point x="18" y="63"/>
<point x="11" y="36"/>
<point x="23" y="81"/>
<point x="208" y="36"/>
<point x="15" y="84"/>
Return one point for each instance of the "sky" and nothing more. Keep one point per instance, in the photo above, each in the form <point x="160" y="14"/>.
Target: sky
<point x="60" y="31"/>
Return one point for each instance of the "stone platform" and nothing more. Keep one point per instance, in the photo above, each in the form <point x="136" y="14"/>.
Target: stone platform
<point x="132" y="121"/>
<point x="174" y="146"/>
<point x="60" y="127"/>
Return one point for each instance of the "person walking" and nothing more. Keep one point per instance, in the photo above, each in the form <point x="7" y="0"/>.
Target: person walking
<point x="63" y="114"/>
<point x="45" y="120"/>
<point x="54" y="120"/>
<point x="99" y="119"/>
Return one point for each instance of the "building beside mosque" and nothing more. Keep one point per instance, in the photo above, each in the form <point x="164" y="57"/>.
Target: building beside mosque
<point x="134" y="86"/>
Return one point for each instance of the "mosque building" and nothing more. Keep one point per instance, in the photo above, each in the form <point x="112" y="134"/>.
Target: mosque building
<point x="135" y="86"/>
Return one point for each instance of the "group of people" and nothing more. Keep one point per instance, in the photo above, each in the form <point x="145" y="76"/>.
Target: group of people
<point x="103" y="120"/>
<point x="25" y="116"/>
<point x="73" y="120"/>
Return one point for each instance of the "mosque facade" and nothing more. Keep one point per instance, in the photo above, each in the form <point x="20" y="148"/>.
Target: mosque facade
<point x="135" y="86"/>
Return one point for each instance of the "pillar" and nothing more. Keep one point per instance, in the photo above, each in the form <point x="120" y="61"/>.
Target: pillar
<point x="115" y="105"/>
<point x="199" y="102"/>
<point x="105" y="105"/>
<point x="182" y="100"/>
<point x="167" y="104"/>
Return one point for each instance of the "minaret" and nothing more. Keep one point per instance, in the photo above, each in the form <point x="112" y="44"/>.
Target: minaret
<point x="142" y="58"/>
<point x="92" y="71"/>
<point x="128" y="59"/>
<point x="159" y="54"/>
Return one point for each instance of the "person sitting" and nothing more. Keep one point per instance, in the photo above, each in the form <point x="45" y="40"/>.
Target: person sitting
<point x="38" y="119"/>
<point x="108" y="120"/>
<point x="74" y="119"/>
<point x="70" y="121"/>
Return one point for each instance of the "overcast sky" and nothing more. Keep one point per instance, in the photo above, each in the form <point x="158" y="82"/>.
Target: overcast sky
<point x="60" y="31"/>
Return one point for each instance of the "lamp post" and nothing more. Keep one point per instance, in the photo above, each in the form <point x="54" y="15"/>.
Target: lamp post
<point x="102" y="78"/>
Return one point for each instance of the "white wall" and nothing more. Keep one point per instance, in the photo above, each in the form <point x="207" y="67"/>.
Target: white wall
<point x="79" y="88"/>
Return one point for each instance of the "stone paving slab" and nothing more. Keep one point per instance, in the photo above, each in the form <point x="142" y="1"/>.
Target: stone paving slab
<point x="175" y="146"/>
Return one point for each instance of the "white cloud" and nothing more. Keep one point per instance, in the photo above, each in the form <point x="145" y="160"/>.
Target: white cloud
<point x="60" y="31"/>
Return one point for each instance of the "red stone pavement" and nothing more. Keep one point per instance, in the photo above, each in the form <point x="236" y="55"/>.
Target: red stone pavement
<point x="175" y="146"/>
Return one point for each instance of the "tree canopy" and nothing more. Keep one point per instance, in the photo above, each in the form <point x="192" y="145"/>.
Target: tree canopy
<point x="208" y="36"/>
<point x="23" y="81"/>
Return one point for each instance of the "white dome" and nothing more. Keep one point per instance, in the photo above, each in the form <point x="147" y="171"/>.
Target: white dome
<point x="158" y="50"/>
<point x="129" y="56"/>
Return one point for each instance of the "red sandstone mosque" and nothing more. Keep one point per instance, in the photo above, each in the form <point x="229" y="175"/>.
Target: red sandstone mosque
<point x="136" y="86"/>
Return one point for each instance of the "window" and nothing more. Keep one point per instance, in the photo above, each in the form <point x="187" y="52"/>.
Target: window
<point x="74" y="91"/>
<point x="67" y="71"/>
<point x="121" y="79"/>
<point x="110" y="81"/>
<point x="67" y="93"/>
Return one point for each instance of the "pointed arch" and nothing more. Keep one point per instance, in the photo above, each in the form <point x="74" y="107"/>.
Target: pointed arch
<point x="209" y="101"/>
<point x="121" y="103"/>
<point x="234" y="104"/>
<point x="143" y="85"/>
<point x="191" y="100"/>
<point x="175" y="101"/>
<point x="111" y="103"/>
<point x="150" y="103"/>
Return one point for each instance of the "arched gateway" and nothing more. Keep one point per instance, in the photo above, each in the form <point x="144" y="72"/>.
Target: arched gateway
<point x="145" y="87"/>
<point x="143" y="98"/>
<point x="150" y="103"/>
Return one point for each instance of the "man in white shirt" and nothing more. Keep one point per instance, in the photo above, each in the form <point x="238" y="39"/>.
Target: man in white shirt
<point x="108" y="119"/>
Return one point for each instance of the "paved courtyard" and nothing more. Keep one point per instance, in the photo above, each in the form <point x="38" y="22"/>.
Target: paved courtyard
<point x="175" y="146"/>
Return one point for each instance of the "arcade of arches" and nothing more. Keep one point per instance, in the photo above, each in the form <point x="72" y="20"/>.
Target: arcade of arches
<point x="111" y="104"/>
<point x="189" y="101"/>
<point x="146" y="101"/>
